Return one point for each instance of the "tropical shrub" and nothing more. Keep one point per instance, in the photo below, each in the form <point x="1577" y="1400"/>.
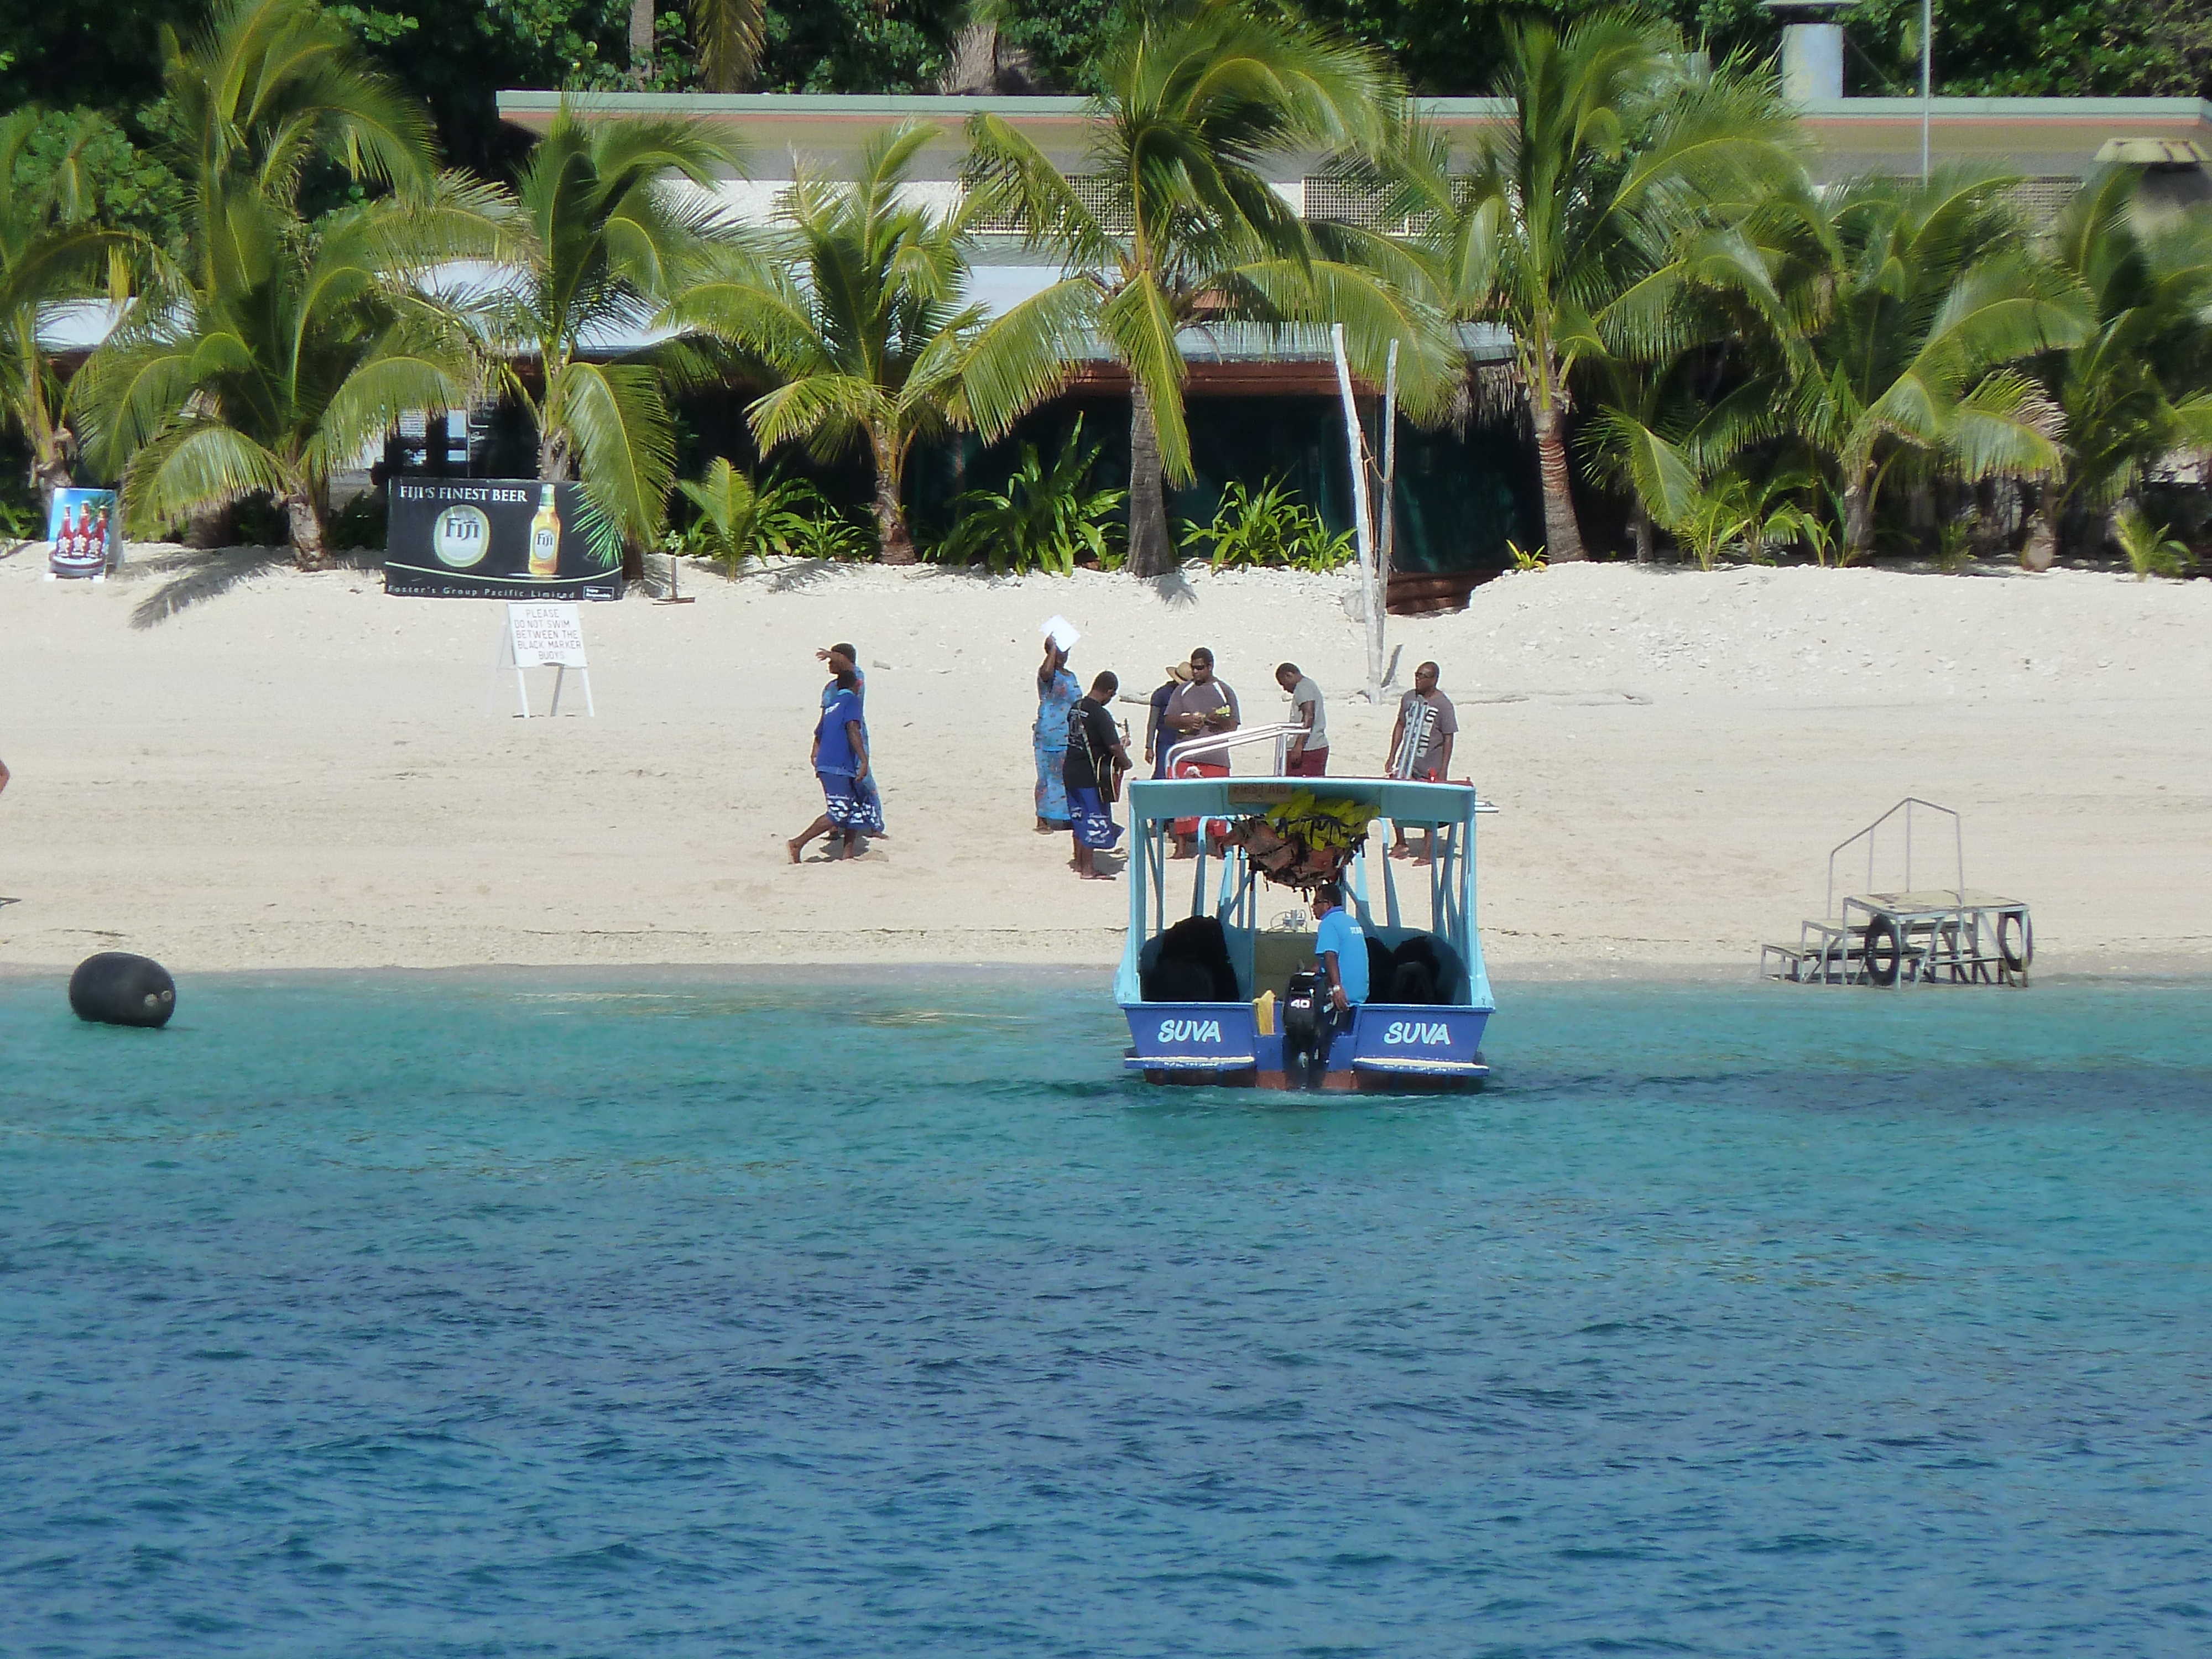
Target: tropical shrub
<point x="2150" y="550"/>
<point x="361" y="523"/>
<point x="740" y="520"/>
<point x="832" y="534"/>
<point x="1269" y="528"/>
<point x="1045" y="519"/>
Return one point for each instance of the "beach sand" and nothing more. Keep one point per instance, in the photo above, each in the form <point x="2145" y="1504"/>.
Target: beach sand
<point x="228" y="765"/>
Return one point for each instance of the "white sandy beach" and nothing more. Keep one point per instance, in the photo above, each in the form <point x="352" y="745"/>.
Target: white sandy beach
<point x="296" y="771"/>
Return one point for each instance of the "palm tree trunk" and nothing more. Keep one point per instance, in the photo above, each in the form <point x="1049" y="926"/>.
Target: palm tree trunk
<point x="896" y="542"/>
<point x="553" y="457"/>
<point x="1858" y="519"/>
<point x="51" y="470"/>
<point x="1639" y="528"/>
<point x="2041" y="548"/>
<point x="641" y="42"/>
<point x="1562" y="536"/>
<point x="1151" y="553"/>
<point x="304" y="515"/>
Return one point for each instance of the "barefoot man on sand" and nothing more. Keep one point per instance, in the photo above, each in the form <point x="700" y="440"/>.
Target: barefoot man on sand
<point x="1095" y="754"/>
<point x="840" y="760"/>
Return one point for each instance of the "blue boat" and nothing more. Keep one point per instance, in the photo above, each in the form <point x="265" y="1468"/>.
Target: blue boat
<point x="1204" y="987"/>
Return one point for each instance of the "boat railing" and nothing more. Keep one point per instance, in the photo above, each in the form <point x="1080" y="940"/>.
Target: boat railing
<point x="1222" y="743"/>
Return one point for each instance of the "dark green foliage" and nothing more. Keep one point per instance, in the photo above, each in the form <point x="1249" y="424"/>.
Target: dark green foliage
<point x="1046" y="518"/>
<point x="857" y="45"/>
<point x="127" y="187"/>
<point x="1265" y="528"/>
<point x="1065" y="39"/>
<point x="357" y="525"/>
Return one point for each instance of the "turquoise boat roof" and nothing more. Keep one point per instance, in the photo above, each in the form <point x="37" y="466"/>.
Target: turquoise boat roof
<point x="1400" y="801"/>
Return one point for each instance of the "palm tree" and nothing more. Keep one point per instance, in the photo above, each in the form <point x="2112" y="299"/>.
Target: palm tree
<point x="49" y="253"/>
<point x="1928" y="303"/>
<point x="280" y="350"/>
<point x="1570" y="227"/>
<point x="2138" y="385"/>
<point x="1174" y="220"/>
<point x="268" y="88"/>
<point x="727" y="33"/>
<point x="600" y="238"/>
<point x="860" y="319"/>
<point x="318" y="340"/>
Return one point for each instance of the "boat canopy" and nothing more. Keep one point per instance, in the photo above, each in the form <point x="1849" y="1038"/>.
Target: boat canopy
<point x="1401" y="802"/>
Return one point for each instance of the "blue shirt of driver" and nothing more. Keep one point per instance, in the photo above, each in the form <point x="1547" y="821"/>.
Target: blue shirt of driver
<point x="1340" y="931"/>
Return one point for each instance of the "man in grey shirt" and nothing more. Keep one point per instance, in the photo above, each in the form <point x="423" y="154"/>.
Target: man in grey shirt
<point x="1308" y="754"/>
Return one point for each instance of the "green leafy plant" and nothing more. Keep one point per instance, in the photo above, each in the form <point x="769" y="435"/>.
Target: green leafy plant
<point x="1045" y="519"/>
<point x="1791" y="524"/>
<point x="1265" y="528"/>
<point x="1719" y="512"/>
<point x="831" y="534"/>
<point x="1952" y="551"/>
<point x="2150" y="550"/>
<point x="740" y="520"/>
<point x="1523" y="560"/>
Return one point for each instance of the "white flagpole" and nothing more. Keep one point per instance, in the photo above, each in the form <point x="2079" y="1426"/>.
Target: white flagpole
<point x="1363" y="523"/>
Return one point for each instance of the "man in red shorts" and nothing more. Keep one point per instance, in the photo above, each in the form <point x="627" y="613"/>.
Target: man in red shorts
<point x="1206" y="707"/>
<point x="1308" y="754"/>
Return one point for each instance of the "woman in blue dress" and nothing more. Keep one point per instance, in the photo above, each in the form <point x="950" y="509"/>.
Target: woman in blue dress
<point x="1057" y="696"/>
<point x="850" y="803"/>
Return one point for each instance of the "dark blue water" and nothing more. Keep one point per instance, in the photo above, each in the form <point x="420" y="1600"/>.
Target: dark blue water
<point x="440" y="1316"/>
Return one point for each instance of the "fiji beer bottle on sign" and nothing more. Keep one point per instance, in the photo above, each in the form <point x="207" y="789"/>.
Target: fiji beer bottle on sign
<point x="545" y="538"/>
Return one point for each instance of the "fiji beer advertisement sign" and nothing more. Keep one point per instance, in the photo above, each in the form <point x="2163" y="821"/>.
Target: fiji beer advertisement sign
<point x="499" y="539"/>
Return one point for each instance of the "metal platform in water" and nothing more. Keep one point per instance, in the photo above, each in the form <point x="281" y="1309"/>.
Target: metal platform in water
<point x="1913" y="936"/>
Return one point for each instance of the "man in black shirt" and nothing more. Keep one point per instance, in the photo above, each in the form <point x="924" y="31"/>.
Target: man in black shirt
<point x="1095" y="756"/>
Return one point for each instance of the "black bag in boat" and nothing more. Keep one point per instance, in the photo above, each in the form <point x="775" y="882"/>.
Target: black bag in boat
<point x="1194" y="947"/>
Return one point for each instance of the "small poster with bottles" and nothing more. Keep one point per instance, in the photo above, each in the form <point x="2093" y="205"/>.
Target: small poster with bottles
<point x="84" y="535"/>
<point x="498" y="539"/>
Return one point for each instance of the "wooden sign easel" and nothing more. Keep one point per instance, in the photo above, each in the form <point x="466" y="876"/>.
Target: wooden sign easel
<point x="541" y="634"/>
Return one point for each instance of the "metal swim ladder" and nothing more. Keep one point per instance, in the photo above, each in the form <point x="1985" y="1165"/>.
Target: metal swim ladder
<point x="1910" y="935"/>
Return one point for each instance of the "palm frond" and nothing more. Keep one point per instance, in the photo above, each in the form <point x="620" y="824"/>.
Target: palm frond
<point x="1139" y="325"/>
<point x="1022" y="357"/>
<point x="192" y="464"/>
<point x="624" y="439"/>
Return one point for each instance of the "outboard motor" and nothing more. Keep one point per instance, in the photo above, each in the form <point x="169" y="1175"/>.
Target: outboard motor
<point x="1307" y="1028"/>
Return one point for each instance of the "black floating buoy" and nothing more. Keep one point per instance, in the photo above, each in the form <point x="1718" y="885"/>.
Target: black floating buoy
<point x="117" y="988"/>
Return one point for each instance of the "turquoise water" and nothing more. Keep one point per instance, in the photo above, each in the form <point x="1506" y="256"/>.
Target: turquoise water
<point x="422" y="1316"/>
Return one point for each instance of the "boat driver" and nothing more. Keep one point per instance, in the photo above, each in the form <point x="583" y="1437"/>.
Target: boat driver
<point x="1341" y="947"/>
